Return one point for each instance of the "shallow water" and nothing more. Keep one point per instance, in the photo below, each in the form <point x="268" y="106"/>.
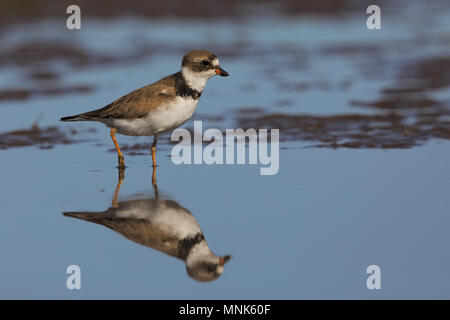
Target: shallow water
<point x="308" y="232"/>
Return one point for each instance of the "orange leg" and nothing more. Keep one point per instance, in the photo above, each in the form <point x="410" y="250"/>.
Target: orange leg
<point x="119" y="153"/>
<point x="154" y="156"/>
<point x="154" y="178"/>
<point x="154" y="165"/>
<point x="115" y="203"/>
<point x="154" y="150"/>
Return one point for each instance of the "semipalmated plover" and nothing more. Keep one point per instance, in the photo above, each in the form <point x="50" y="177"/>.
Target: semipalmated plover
<point x="163" y="225"/>
<point x="160" y="106"/>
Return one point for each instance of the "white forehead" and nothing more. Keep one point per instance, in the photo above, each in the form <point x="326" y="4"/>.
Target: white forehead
<point x="215" y="62"/>
<point x="219" y="269"/>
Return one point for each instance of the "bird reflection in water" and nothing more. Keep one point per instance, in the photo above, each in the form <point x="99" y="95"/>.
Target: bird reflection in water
<point x="162" y="225"/>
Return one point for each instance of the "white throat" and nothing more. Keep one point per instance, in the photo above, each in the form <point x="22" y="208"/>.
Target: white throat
<point x="195" y="80"/>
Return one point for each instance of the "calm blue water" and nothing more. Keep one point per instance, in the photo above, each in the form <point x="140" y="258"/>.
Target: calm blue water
<point x="308" y="232"/>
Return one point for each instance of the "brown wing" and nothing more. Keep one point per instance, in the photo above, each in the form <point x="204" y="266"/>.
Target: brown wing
<point x="140" y="231"/>
<point x="138" y="103"/>
<point x="144" y="233"/>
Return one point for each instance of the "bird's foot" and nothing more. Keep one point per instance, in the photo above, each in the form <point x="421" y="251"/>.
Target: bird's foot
<point x="121" y="163"/>
<point x="154" y="177"/>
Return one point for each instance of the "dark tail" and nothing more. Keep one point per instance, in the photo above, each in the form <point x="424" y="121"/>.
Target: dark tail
<point x="101" y="218"/>
<point x="95" y="217"/>
<point x="80" y="215"/>
<point x="73" y="118"/>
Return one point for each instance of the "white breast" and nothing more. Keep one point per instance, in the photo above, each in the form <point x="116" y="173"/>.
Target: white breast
<point x="172" y="219"/>
<point x="166" y="117"/>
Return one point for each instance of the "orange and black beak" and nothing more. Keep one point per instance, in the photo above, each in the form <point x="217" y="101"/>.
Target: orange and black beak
<point x="222" y="72"/>
<point x="226" y="258"/>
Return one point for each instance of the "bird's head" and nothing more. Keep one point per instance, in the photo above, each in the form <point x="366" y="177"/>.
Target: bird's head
<point x="200" y="65"/>
<point x="206" y="267"/>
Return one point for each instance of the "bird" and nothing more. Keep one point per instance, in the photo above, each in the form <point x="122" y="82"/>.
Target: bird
<point x="158" y="107"/>
<point x="165" y="226"/>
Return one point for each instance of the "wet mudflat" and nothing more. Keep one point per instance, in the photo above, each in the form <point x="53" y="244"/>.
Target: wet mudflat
<point x="364" y="157"/>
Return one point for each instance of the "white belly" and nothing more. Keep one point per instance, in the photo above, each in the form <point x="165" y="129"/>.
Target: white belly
<point x="171" y="218"/>
<point x="164" y="118"/>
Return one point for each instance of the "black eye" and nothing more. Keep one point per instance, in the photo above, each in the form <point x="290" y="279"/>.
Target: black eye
<point x="205" y="62"/>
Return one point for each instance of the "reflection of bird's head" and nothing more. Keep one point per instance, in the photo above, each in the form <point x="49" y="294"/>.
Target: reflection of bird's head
<point x="206" y="267"/>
